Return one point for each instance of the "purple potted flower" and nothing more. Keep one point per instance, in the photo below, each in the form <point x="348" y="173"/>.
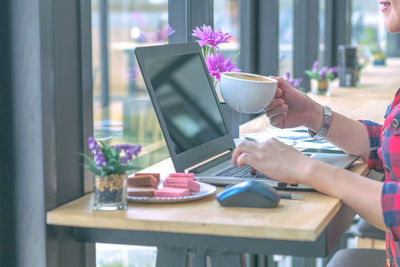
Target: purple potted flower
<point x="320" y="77"/>
<point x="110" y="165"/>
<point x="295" y="82"/>
<point x="209" y="41"/>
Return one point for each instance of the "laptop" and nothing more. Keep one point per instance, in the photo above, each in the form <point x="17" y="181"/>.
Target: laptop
<point x="191" y="119"/>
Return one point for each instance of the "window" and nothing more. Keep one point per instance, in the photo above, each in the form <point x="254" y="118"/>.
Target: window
<point x="123" y="112"/>
<point x="285" y="36"/>
<point x="368" y="31"/>
<point x="227" y="18"/>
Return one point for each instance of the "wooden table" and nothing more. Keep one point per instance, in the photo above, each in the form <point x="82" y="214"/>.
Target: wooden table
<point x="310" y="227"/>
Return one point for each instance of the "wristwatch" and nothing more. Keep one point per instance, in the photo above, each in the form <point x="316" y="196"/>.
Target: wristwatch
<point x="326" y="124"/>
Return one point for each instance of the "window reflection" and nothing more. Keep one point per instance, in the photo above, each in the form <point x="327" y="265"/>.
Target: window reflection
<point x="227" y="18"/>
<point x="122" y="109"/>
<point x="285" y="36"/>
<point x="368" y="31"/>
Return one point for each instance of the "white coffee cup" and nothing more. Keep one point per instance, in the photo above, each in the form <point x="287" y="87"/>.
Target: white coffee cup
<point x="246" y="92"/>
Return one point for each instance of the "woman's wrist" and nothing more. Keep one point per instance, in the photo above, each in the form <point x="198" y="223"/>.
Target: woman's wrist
<point x="316" y="117"/>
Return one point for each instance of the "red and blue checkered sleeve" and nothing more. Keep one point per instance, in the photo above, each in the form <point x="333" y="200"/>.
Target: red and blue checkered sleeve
<point x="391" y="207"/>
<point x="374" y="134"/>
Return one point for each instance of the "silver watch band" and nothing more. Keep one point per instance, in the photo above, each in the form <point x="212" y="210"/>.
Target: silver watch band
<point x="326" y="124"/>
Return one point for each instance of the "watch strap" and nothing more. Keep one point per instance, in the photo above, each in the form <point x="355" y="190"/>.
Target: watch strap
<point x="326" y="124"/>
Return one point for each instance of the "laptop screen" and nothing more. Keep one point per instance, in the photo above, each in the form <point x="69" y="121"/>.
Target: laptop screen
<point x="186" y="100"/>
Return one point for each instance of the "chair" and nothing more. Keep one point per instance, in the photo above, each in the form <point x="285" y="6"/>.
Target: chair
<point x="365" y="257"/>
<point x="357" y="257"/>
<point x="368" y="236"/>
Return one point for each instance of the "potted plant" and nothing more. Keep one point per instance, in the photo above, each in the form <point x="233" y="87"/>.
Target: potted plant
<point x="320" y="77"/>
<point x="295" y="82"/>
<point x="379" y="57"/>
<point x="109" y="166"/>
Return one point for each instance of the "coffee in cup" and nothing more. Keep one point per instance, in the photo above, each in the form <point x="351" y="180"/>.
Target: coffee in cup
<point x="246" y="92"/>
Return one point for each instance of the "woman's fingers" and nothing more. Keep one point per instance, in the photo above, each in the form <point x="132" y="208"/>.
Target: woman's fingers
<point x="278" y="120"/>
<point x="274" y="103"/>
<point x="244" y="147"/>
<point x="246" y="158"/>
<point x="278" y="93"/>
<point x="283" y="108"/>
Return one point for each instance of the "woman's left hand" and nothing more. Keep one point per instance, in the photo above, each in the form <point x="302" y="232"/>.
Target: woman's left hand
<point x="273" y="159"/>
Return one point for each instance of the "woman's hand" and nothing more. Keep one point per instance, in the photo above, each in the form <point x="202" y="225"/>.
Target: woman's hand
<point x="273" y="159"/>
<point x="290" y="107"/>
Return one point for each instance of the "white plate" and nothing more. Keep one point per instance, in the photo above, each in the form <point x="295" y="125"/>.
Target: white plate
<point x="205" y="190"/>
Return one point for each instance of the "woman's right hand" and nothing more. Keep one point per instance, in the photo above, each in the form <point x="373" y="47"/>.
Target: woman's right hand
<point x="290" y="107"/>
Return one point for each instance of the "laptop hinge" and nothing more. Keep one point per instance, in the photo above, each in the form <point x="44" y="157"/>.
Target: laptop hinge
<point x="211" y="162"/>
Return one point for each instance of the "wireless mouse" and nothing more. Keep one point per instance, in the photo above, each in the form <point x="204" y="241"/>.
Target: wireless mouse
<point x="252" y="194"/>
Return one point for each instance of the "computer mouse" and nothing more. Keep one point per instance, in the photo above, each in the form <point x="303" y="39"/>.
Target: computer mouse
<point x="251" y="194"/>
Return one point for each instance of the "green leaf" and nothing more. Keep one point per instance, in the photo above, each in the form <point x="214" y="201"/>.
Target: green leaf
<point x="92" y="166"/>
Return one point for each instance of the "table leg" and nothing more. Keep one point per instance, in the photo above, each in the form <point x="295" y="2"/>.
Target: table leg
<point x="304" y="262"/>
<point x="261" y="260"/>
<point x="226" y="259"/>
<point x="167" y="257"/>
<point x="197" y="258"/>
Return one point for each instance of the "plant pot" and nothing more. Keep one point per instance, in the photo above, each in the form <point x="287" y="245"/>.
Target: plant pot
<point x="110" y="192"/>
<point x="320" y="87"/>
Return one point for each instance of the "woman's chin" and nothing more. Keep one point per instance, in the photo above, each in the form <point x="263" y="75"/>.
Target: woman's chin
<point x="392" y="25"/>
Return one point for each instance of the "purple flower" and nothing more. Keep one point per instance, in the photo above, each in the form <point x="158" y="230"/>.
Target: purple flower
<point x="315" y="66"/>
<point x="134" y="73"/>
<point x="208" y="37"/>
<point x="93" y="146"/>
<point x="100" y="160"/>
<point x="216" y="64"/>
<point x="287" y="76"/>
<point x="297" y="82"/>
<point x="96" y="151"/>
<point x="322" y="73"/>
<point x="333" y="69"/>
<point x="164" y="33"/>
<point x="129" y="152"/>
<point x="293" y="82"/>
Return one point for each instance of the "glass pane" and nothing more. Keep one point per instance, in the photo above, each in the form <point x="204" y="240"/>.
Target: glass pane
<point x="368" y="31"/>
<point x="227" y="18"/>
<point x="123" y="112"/>
<point x="285" y="36"/>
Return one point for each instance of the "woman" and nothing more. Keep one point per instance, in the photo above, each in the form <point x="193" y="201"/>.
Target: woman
<point x="378" y="145"/>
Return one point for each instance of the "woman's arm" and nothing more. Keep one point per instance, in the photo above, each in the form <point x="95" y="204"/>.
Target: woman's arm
<point x="363" y="195"/>
<point x="292" y="108"/>
<point x="345" y="133"/>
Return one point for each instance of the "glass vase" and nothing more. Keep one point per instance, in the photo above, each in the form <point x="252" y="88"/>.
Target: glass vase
<point x="320" y="87"/>
<point x="110" y="192"/>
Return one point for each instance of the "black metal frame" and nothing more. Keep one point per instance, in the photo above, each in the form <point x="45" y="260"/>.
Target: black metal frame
<point x="196" y="246"/>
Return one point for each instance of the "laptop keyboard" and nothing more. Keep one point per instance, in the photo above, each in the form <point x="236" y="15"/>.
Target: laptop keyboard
<point x="236" y="171"/>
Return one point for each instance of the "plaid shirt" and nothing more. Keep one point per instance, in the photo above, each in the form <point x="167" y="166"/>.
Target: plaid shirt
<point x="385" y="157"/>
